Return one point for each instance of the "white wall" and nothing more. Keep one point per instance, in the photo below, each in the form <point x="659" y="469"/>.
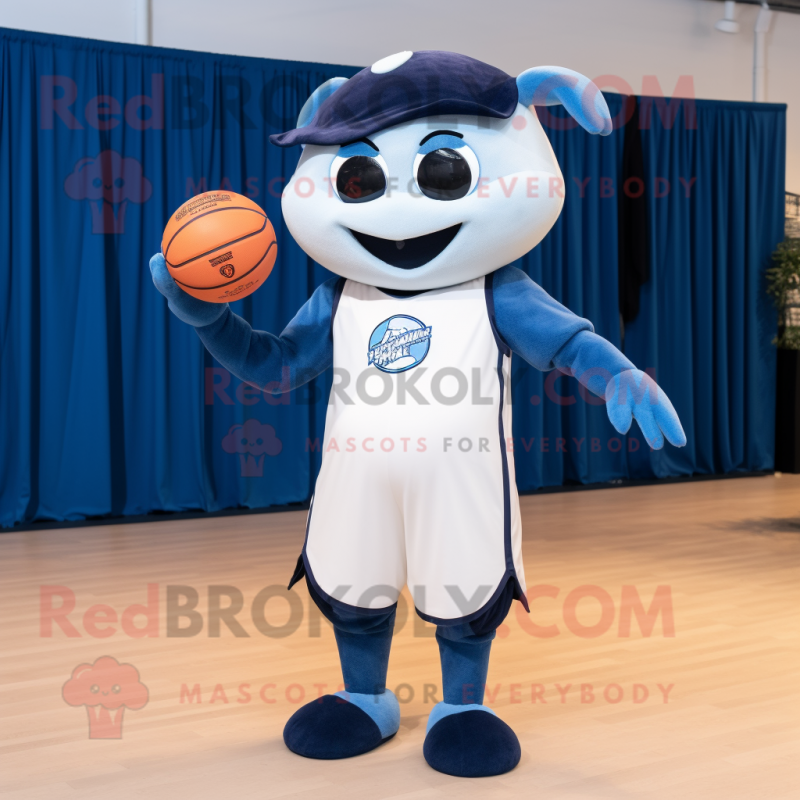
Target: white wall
<point x="627" y="38"/>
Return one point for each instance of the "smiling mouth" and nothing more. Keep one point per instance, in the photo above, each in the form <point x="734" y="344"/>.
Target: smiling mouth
<point x="407" y="253"/>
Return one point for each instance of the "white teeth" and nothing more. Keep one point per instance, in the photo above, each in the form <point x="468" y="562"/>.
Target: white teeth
<point x="401" y="244"/>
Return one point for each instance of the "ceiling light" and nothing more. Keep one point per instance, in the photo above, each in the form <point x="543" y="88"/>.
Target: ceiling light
<point x="728" y="23"/>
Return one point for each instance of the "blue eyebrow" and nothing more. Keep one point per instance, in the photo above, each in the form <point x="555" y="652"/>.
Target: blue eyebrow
<point x="361" y="147"/>
<point x="441" y="133"/>
<point x="440" y="140"/>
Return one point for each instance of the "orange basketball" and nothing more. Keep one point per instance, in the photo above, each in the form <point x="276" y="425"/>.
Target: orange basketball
<point x="219" y="246"/>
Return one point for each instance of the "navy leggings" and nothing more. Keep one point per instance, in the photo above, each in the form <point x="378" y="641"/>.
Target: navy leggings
<point x="365" y="640"/>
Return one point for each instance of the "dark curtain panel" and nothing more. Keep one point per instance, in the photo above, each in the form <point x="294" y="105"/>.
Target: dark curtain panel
<point x="634" y="251"/>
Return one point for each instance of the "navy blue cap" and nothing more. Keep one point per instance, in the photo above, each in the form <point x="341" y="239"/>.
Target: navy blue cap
<point x="405" y="87"/>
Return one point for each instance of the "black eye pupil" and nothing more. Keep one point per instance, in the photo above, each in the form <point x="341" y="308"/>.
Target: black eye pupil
<point x="444" y="175"/>
<point x="360" y="179"/>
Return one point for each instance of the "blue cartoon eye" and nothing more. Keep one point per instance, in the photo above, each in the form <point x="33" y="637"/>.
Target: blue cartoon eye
<point x="445" y="168"/>
<point x="359" y="173"/>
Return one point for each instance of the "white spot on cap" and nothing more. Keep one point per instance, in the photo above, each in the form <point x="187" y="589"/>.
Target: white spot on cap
<point x="391" y="62"/>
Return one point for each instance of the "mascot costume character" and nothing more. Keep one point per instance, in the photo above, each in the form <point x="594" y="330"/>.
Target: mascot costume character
<point x="426" y="168"/>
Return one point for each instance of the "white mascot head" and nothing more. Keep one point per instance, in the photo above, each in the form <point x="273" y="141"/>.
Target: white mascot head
<point x="428" y="169"/>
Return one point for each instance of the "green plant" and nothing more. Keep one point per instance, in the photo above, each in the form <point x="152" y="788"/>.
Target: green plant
<point x="783" y="283"/>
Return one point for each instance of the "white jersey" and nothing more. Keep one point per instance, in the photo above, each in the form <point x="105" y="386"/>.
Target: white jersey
<point x="416" y="485"/>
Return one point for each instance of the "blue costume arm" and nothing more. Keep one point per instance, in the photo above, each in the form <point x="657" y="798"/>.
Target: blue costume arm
<point x="303" y="350"/>
<point x="548" y="336"/>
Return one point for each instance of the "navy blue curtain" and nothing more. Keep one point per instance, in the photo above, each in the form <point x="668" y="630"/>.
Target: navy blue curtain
<point x="111" y="406"/>
<point x="714" y="185"/>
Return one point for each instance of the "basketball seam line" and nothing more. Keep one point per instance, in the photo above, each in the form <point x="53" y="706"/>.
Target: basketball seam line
<point x="227" y="244"/>
<point x="221" y="285"/>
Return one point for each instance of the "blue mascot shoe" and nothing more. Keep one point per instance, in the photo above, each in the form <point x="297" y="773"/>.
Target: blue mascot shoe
<point x="342" y="725"/>
<point x="469" y="741"/>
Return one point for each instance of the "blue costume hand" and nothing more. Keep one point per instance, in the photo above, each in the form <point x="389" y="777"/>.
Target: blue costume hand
<point x="633" y="393"/>
<point x="186" y="308"/>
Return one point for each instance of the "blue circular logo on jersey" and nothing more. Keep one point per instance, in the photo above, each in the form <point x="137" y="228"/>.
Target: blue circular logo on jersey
<point x="399" y="343"/>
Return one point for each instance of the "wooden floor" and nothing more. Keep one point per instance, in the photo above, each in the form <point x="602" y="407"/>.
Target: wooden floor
<point x="719" y="702"/>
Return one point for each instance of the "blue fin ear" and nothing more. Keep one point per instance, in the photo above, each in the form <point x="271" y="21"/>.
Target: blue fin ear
<point x="550" y="86"/>
<point x="318" y="97"/>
